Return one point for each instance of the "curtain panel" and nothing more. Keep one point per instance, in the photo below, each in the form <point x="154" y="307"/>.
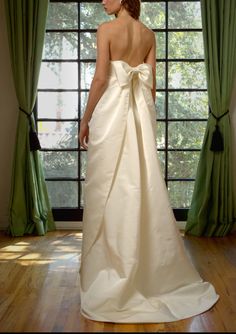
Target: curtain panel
<point x="212" y="211"/>
<point x="30" y="211"/>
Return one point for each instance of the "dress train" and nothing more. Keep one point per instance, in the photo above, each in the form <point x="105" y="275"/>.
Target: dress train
<point x="134" y="267"/>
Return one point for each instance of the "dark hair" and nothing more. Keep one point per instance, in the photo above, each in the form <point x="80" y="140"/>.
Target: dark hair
<point x="133" y="7"/>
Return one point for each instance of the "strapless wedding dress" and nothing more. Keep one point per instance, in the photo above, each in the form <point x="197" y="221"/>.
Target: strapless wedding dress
<point x="134" y="267"/>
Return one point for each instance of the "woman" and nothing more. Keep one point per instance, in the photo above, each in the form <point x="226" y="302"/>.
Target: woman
<point x="134" y="267"/>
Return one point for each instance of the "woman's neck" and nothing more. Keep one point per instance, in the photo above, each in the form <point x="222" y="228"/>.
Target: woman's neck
<point x="122" y="13"/>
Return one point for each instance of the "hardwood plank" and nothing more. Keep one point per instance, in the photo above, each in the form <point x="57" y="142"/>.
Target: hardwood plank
<point x="39" y="286"/>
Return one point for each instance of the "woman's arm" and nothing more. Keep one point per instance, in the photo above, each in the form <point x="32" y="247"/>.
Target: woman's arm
<point x="99" y="82"/>
<point x="151" y="59"/>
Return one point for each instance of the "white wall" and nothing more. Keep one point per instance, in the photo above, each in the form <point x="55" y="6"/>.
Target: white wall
<point x="8" y="114"/>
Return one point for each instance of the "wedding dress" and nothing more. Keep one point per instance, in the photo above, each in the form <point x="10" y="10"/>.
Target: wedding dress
<point x="134" y="267"/>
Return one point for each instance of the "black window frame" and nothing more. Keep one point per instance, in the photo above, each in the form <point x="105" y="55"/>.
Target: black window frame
<point x="76" y="214"/>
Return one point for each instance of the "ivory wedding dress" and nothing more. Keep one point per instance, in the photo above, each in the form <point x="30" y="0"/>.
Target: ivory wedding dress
<point x="134" y="267"/>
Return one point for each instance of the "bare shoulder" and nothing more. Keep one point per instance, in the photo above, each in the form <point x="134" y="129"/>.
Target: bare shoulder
<point x="147" y="31"/>
<point x="103" y="27"/>
<point x="106" y="25"/>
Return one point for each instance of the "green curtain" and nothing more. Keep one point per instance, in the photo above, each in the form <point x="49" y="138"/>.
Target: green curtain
<point x="212" y="208"/>
<point x="30" y="211"/>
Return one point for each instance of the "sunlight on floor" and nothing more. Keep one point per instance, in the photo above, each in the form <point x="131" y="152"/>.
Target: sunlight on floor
<point x="27" y="252"/>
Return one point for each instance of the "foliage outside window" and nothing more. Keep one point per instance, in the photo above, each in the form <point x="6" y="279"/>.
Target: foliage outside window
<point x="66" y="73"/>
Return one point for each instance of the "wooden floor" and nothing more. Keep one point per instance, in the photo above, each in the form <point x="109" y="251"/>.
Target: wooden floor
<point x="39" y="289"/>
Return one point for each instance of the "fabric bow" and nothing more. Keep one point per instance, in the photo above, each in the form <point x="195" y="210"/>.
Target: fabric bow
<point x="125" y="74"/>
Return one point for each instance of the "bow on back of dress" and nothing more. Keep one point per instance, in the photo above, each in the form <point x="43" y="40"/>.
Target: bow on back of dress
<point x="126" y="73"/>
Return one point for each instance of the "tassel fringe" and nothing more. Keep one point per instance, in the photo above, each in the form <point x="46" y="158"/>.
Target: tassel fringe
<point x="217" y="142"/>
<point x="33" y="140"/>
<point x="33" y="137"/>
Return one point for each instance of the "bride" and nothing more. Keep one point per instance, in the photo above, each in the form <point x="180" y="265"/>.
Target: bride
<point x="134" y="267"/>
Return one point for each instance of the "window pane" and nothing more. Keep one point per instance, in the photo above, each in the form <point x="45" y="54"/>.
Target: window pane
<point x="160" y="45"/>
<point x="187" y="75"/>
<point x="57" y="105"/>
<point x="160" y="104"/>
<point x="188" y="105"/>
<point x="88" y="45"/>
<point x="83" y="101"/>
<point x="67" y="44"/>
<point x="153" y="14"/>
<point x="62" y="16"/>
<point x="182" y="164"/>
<point x="160" y="75"/>
<point x="60" y="164"/>
<point x="81" y="194"/>
<point x="58" y="45"/>
<point x="186" y="134"/>
<point x="161" y="157"/>
<point x="58" y="134"/>
<point x="180" y="193"/>
<point x="87" y="73"/>
<point x="83" y="164"/>
<point x="63" y="194"/>
<point x="160" y="138"/>
<point x="58" y="75"/>
<point x="184" y="15"/>
<point x="91" y="15"/>
<point x="188" y="45"/>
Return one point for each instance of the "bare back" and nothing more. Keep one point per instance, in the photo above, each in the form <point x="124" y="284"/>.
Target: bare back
<point x="124" y="39"/>
<point x="130" y="40"/>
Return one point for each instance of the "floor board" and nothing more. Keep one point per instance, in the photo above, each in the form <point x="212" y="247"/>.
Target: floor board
<point x="39" y="287"/>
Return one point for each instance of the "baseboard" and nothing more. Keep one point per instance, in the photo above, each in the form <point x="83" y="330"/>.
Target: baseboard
<point x="68" y="225"/>
<point x="60" y="225"/>
<point x="181" y="225"/>
<point x="77" y="225"/>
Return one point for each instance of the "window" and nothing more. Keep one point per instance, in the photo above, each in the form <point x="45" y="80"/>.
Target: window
<point x="66" y="73"/>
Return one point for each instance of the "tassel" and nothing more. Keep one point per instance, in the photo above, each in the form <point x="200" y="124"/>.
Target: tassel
<point x="217" y="142"/>
<point x="33" y="137"/>
<point x="33" y="140"/>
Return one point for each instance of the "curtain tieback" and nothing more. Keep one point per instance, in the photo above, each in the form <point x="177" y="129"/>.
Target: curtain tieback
<point x="33" y="137"/>
<point x="217" y="142"/>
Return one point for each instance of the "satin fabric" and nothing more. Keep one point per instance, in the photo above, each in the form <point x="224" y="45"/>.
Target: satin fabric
<point x="134" y="267"/>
